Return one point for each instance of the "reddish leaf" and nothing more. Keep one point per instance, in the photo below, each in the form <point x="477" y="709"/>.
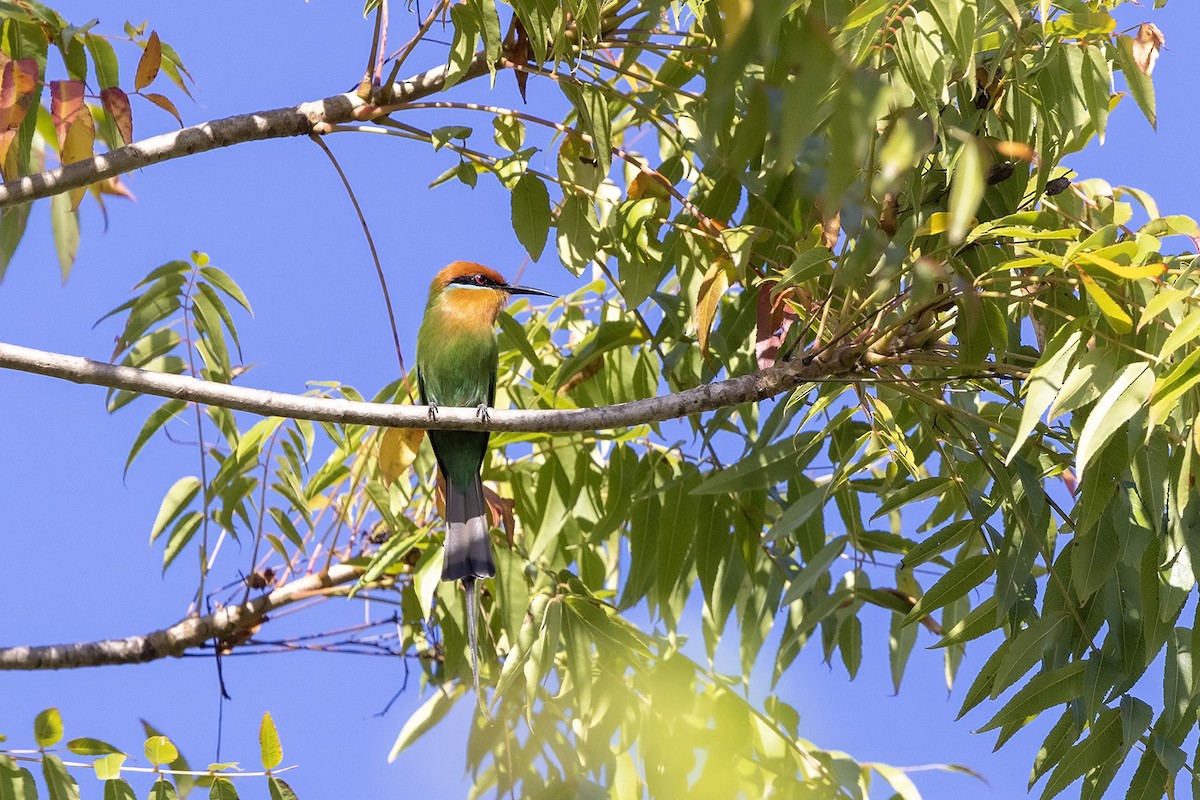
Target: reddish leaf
<point x="165" y="104"/>
<point x="8" y="95"/>
<point x="116" y="103"/>
<point x="114" y="186"/>
<point x="66" y="103"/>
<point x="17" y="82"/>
<point x="501" y="511"/>
<point x="774" y="319"/>
<point x="149" y="64"/>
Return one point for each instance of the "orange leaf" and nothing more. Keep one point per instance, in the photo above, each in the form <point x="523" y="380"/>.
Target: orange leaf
<point x="17" y="82"/>
<point x="1016" y="150"/>
<point x="66" y="103"/>
<point x="116" y="103"/>
<point x="165" y="104"/>
<point x="8" y="95"/>
<point x="79" y="146"/>
<point x="397" y="451"/>
<point x="149" y="63"/>
<point x="712" y="288"/>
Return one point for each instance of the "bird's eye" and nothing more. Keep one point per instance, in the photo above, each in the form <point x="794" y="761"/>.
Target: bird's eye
<point x="481" y="280"/>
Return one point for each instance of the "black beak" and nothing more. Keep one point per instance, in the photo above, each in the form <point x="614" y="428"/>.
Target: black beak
<point x="527" y="290"/>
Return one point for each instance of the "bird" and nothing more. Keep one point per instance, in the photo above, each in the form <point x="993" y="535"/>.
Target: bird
<point x="457" y="361"/>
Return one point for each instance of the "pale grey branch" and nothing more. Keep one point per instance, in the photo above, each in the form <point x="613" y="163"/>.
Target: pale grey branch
<point x="299" y="120"/>
<point x="175" y="640"/>
<point x="837" y="362"/>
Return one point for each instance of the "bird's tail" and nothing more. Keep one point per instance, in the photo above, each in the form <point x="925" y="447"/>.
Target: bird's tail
<point x="468" y="555"/>
<point x="468" y="546"/>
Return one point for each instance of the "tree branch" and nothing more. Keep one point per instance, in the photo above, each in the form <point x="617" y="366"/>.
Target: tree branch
<point x="181" y="636"/>
<point x="830" y="363"/>
<point x="301" y="120"/>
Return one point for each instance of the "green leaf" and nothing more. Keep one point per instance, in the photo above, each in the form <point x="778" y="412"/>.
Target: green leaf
<point x="531" y="214"/>
<point x="939" y="542"/>
<point x="509" y="132"/>
<point x="280" y="790"/>
<point x="16" y="783"/>
<point x="222" y="789"/>
<point x="65" y="224"/>
<point x="956" y="583"/>
<point x="118" y="789"/>
<point x="425" y="717"/>
<point x="817" y="566"/>
<point x="59" y="784"/>
<point x="966" y="188"/>
<point x="109" y="767"/>
<point x="1044" y="383"/>
<point x="86" y="746"/>
<point x="1026" y="650"/>
<point x="160" y="417"/>
<point x="1139" y="83"/>
<point x="47" y="728"/>
<point x="913" y="493"/>
<point x="1045" y="690"/>
<point x="1129" y="393"/>
<point x="160" y="750"/>
<point x="442" y="136"/>
<point x="268" y="743"/>
<point x="163" y="790"/>
<point x="764" y="467"/>
<point x="177" y="499"/>
<point x="578" y="236"/>
<point x="592" y="108"/>
<point x="226" y="284"/>
<point x="1101" y="744"/>
<point x="462" y="49"/>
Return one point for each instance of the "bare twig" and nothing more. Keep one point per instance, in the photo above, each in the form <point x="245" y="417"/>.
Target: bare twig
<point x="173" y="641"/>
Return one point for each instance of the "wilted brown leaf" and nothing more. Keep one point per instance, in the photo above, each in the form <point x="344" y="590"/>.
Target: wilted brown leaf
<point x="115" y="186"/>
<point x="1146" y="44"/>
<point x="116" y="103"/>
<point x="397" y="451"/>
<point x="148" y="65"/>
<point x="887" y="214"/>
<point x="831" y="229"/>
<point x="519" y="54"/>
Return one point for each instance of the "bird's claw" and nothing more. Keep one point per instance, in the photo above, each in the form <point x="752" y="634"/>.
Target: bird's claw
<point x="433" y="412"/>
<point x="483" y="412"/>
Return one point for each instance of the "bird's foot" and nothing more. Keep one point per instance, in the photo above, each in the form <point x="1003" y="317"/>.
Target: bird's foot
<point x="433" y="412"/>
<point x="483" y="412"/>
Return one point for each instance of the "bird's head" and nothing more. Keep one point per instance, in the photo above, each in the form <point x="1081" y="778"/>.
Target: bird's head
<point x="474" y="292"/>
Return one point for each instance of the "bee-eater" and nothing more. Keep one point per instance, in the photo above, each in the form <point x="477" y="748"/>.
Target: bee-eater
<point x="457" y="359"/>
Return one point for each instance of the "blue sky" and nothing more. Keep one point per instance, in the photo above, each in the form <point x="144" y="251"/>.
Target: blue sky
<point x="73" y="533"/>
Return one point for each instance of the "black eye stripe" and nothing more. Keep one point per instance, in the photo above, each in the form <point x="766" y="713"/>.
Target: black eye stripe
<point x="477" y="279"/>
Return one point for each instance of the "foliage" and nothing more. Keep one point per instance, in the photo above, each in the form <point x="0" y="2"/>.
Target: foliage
<point x="168" y="773"/>
<point x="874" y="185"/>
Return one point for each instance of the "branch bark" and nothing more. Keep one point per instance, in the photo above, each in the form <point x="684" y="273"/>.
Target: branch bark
<point x="181" y="636"/>
<point x="835" y="362"/>
<point x="301" y="120"/>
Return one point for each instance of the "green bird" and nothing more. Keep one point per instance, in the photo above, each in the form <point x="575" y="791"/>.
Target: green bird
<point x="457" y="359"/>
